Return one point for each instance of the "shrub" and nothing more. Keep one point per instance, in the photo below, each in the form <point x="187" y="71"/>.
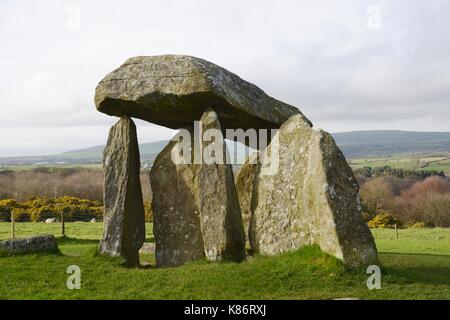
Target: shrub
<point x="20" y="215"/>
<point x="40" y="208"/>
<point x="418" y="225"/>
<point x="366" y="216"/>
<point x="52" y="182"/>
<point x="427" y="201"/>
<point x="8" y="205"/>
<point x="383" y="220"/>
<point x="148" y="211"/>
<point x="376" y="196"/>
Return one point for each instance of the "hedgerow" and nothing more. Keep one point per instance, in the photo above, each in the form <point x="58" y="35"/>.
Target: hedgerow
<point x="40" y="208"/>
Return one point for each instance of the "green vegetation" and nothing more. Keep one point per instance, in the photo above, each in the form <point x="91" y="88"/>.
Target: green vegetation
<point x="414" y="267"/>
<point x="94" y="166"/>
<point x="390" y="143"/>
<point x="407" y="163"/>
<point x="79" y="230"/>
<point x="383" y="220"/>
<point x="414" y="241"/>
<point x="387" y="201"/>
<point x="41" y="208"/>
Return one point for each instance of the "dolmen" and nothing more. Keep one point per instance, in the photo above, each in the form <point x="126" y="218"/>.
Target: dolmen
<point x="297" y="189"/>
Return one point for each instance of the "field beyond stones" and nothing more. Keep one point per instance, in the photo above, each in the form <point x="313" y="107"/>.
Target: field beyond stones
<point x="416" y="266"/>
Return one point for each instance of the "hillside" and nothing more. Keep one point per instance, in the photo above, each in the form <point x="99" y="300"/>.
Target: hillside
<point x="355" y="145"/>
<point x="387" y="143"/>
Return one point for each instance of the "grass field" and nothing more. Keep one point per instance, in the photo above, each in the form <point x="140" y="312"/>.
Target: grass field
<point x="30" y="167"/>
<point x="416" y="266"/>
<point x="426" y="163"/>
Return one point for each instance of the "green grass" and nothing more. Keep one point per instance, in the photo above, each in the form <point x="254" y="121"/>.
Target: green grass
<point x="31" y="167"/>
<point x="417" y="266"/>
<point x="426" y="163"/>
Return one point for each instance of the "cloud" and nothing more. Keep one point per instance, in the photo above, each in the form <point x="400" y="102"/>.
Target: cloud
<point x="330" y="59"/>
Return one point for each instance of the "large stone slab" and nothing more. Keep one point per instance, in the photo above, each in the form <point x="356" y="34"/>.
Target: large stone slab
<point x="176" y="217"/>
<point x="175" y="90"/>
<point x="124" y="224"/>
<point x="220" y="213"/>
<point x="311" y="199"/>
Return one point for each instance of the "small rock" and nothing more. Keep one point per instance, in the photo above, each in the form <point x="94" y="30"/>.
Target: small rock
<point x="31" y="244"/>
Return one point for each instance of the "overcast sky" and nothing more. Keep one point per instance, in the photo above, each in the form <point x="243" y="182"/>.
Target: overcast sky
<point x="347" y="65"/>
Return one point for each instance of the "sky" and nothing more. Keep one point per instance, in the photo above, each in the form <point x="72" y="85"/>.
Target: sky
<point x="347" y="65"/>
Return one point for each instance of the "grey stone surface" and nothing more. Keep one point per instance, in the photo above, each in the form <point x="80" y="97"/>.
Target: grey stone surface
<point x="245" y="179"/>
<point x="176" y="222"/>
<point x="311" y="199"/>
<point x="32" y="244"/>
<point x="175" y="90"/>
<point x="220" y="214"/>
<point x="124" y="225"/>
<point x="195" y="207"/>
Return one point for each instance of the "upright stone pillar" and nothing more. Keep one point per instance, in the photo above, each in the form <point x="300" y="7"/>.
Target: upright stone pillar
<point x="220" y="213"/>
<point x="176" y="222"/>
<point x="311" y="197"/>
<point x="245" y="180"/>
<point x="124" y="224"/>
<point x="195" y="207"/>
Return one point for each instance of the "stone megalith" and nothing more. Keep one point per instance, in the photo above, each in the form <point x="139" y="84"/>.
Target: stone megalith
<point x="124" y="224"/>
<point x="195" y="206"/>
<point x="220" y="213"/>
<point x="245" y="180"/>
<point x="175" y="90"/>
<point x="176" y="217"/>
<point x="312" y="198"/>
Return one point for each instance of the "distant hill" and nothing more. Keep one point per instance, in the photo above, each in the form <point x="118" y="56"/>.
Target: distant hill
<point x="356" y="144"/>
<point x="147" y="150"/>
<point x="82" y="156"/>
<point x="386" y="143"/>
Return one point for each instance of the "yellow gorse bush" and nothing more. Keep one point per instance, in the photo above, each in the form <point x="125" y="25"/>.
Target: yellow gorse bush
<point x="148" y="211"/>
<point x="72" y="208"/>
<point x="383" y="220"/>
<point x="41" y="208"/>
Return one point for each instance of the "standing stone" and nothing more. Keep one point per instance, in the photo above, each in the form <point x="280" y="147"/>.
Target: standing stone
<point x="220" y="214"/>
<point x="176" y="218"/>
<point x="311" y="199"/>
<point x="124" y="225"/>
<point x="245" y="180"/>
<point x="195" y="206"/>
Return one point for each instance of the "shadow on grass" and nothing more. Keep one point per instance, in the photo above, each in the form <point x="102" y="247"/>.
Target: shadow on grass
<point x="68" y="240"/>
<point x="8" y="253"/>
<point x="415" y="254"/>
<point x="409" y="272"/>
